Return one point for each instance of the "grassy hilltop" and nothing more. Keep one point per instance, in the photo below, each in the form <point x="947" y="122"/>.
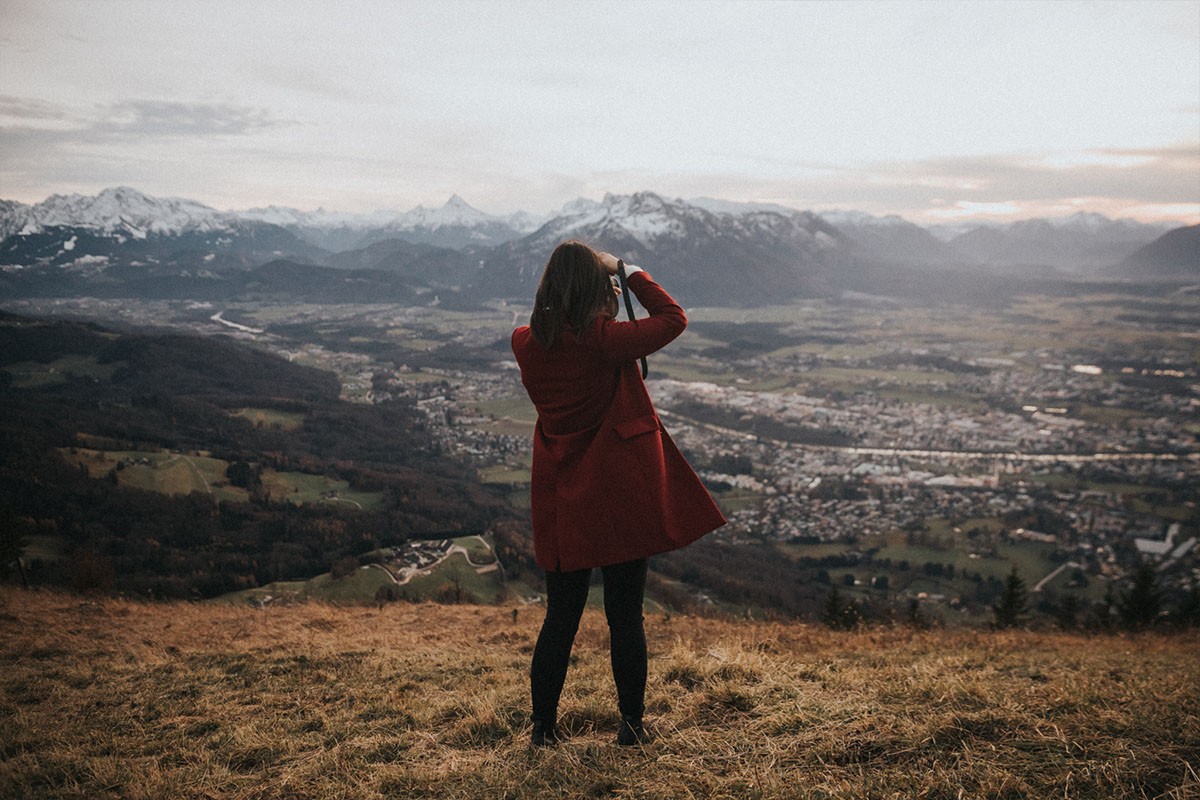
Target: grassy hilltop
<point x="109" y="698"/>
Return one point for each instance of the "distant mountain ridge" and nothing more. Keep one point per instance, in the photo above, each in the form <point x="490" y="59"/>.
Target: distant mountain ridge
<point x="457" y="224"/>
<point x="707" y="257"/>
<point x="1078" y="243"/>
<point x="1174" y="254"/>
<point x="712" y="251"/>
<point x="113" y="211"/>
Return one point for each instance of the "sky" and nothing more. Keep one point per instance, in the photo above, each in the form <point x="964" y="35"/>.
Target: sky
<point x="937" y="111"/>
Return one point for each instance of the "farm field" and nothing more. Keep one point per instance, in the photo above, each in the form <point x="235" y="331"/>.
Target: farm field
<point x="271" y="418"/>
<point x="161" y="471"/>
<point x="177" y="473"/>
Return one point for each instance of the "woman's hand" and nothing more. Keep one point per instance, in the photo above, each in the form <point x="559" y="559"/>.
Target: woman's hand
<point x="609" y="261"/>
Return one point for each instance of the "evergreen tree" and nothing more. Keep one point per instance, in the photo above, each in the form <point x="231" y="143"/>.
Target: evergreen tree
<point x="1139" y="607"/>
<point x="1068" y="612"/>
<point x="1010" y="608"/>
<point x="914" y="617"/>
<point x="12" y="544"/>
<point x="1104" y="611"/>
<point x="840" y="615"/>
<point x="1187" y="615"/>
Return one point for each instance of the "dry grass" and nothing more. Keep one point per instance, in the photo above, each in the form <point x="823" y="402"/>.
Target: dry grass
<point x="117" y="699"/>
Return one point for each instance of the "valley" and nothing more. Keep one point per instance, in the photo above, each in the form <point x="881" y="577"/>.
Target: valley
<point x="910" y="456"/>
<point x="894" y="415"/>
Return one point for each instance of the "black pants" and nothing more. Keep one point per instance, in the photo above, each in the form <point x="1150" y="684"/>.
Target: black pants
<point x="566" y="595"/>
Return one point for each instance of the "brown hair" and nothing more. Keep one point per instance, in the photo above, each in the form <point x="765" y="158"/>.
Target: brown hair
<point x="574" y="290"/>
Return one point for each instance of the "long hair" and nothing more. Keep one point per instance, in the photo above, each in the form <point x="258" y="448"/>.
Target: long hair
<point x="574" y="290"/>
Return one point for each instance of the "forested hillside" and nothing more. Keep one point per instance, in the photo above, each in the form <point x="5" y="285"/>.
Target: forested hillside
<point x="178" y="466"/>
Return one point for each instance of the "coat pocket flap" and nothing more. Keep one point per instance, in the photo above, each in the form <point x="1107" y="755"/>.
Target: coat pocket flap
<point x="634" y="427"/>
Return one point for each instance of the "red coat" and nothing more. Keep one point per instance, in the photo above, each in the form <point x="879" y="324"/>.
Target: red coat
<point x="608" y="484"/>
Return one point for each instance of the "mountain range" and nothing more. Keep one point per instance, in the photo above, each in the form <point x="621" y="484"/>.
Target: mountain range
<point x="710" y="251"/>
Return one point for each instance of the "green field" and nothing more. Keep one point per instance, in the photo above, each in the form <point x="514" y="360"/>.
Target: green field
<point x="164" y="472"/>
<point x="31" y="374"/>
<point x="455" y="576"/>
<point x="478" y="549"/>
<point x="272" y="418"/>
<point x="452" y="579"/>
<point x="506" y="474"/>
<point x="737" y="499"/>
<point x="174" y="473"/>
<point x="516" y="408"/>
<point x="690" y="371"/>
<point x="301" y="488"/>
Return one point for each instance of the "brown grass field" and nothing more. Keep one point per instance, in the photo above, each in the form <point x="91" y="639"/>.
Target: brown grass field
<point x="108" y="698"/>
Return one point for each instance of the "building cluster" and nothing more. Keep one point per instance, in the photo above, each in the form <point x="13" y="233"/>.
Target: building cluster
<point x="905" y="463"/>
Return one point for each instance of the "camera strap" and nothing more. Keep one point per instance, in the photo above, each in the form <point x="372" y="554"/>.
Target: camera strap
<point x="629" y="306"/>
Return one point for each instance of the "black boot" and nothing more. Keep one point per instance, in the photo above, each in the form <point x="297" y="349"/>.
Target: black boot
<point x="631" y="732"/>
<point x="545" y="734"/>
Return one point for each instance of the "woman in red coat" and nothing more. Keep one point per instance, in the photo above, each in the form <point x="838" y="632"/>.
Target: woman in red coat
<point x="609" y="488"/>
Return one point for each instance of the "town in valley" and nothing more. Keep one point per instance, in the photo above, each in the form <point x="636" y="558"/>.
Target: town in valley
<point x="919" y="453"/>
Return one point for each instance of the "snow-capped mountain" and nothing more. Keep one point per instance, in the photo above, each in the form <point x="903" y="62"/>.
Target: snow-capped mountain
<point x="120" y="210"/>
<point x="892" y="239"/>
<point x="719" y="206"/>
<point x="889" y="239"/>
<point x="710" y="258"/>
<point x="710" y="251"/>
<point x="321" y="218"/>
<point x="456" y="224"/>
<point x="123" y="227"/>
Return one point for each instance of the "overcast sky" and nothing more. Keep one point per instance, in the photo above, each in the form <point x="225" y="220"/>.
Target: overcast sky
<point x="937" y="111"/>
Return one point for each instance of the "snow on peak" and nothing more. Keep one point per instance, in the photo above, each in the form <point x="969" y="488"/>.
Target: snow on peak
<point x="456" y="213"/>
<point x="124" y="209"/>
<point x="580" y="205"/>
<point x="285" y="216"/>
<point x="1082" y="220"/>
<point x="643" y="215"/>
<point x="861" y="219"/>
<point x="736" y="208"/>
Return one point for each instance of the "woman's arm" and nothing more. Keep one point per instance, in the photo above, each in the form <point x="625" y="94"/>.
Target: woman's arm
<point x="627" y="341"/>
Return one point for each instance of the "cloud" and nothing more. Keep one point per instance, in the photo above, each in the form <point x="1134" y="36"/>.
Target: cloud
<point x="158" y="118"/>
<point x="51" y="147"/>
<point x="172" y="119"/>
<point x="29" y="108"/>
<point x="143" y="119"/>
<point x="1140" y="182"/>
<point x="1142" y="176"/>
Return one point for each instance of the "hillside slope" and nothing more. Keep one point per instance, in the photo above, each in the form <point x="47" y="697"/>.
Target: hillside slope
<point x="1174" y="254"/>
<point x="118" y="699"/>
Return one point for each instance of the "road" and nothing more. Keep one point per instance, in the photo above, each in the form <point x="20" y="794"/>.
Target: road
<point x="948" y="455"/>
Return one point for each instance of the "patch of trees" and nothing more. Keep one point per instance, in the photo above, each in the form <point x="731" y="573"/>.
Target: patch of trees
<point x="745" y="575"/>
<point x="1141" y="603"/>
<point x="154" y="545"/>
<point x="512" y="541"/>
<point x="43" y="341"/>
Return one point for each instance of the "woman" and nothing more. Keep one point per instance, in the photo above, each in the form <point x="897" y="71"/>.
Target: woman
<point x="609" y="488"/>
